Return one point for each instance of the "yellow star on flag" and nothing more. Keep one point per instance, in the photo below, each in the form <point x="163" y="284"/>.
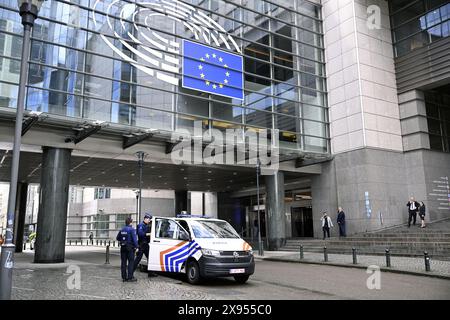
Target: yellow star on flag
<point x="202" y="75"/>
<point x="207" y="82"/>
<point x="200" y="67"/>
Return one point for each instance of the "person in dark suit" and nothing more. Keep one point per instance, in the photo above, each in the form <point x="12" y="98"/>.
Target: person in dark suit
<point x="341" y="222"/>
<point x="413" y="207"/>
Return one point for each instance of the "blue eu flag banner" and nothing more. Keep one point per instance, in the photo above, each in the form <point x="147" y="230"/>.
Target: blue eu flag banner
<point x="211" y="70"/>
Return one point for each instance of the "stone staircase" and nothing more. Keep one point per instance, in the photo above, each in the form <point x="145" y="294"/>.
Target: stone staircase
<point x="402" y="241"/>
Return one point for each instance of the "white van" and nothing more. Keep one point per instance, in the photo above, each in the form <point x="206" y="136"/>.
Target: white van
<point x="200" y="248"/>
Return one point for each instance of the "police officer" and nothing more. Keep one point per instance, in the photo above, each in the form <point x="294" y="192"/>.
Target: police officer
<point x="128" y="245"/>
<point x="143" y="231"/>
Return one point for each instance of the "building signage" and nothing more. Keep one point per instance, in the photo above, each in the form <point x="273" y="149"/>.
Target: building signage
<point x="158" y="55"/>
<point x="368" y="210"/>
<point x="441" y="193"/>
<point x="211" y="70"/>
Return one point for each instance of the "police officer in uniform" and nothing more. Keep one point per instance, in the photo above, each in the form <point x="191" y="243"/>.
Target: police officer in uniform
<point x="128" y="245"/>
<point x="143" y="231"/>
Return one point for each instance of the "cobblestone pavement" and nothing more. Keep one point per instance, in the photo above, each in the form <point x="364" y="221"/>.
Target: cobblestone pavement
<point x="417" y="265"/>
<point x="272" y="280"/>
<point x="98" y="280"/>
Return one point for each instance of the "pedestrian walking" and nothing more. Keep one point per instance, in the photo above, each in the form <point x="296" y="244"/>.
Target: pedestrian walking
<point x="32" y="239"/>
<point x="422" y="210"/>
<point x="413" y="207"/>
<point x="341" y="222"/>
<point x="255" y="228"/>
<point x="128" y="245"/>
<point x="91" y="238"/>
<point x="326" y="224"/>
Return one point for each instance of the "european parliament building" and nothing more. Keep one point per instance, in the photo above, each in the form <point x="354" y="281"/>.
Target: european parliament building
<point x="354" y="93"/>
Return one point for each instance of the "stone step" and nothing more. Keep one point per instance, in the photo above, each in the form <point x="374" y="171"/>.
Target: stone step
<point x="406" y="239"/>
<point x="375" y="243"/>
<point x="374" y="249"/>
<point x="399" y="235"/>
<point x="441" y="255"/>
<point x="368" y="244"/>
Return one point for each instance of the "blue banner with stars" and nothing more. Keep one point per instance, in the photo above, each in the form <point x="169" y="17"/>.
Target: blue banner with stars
<point x="211" y="70"/>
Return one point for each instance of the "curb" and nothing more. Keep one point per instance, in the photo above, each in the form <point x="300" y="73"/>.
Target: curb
<point x="385" y="269"/>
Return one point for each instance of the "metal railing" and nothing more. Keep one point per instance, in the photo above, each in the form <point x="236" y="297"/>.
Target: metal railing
<point x="353" y="252"/>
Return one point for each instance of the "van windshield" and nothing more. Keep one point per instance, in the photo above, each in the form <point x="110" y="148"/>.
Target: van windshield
<point x="213" y="229"/>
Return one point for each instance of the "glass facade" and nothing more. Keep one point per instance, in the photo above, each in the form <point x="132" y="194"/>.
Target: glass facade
<point x="418" y="23"/>
<point x="74" y="72"/>
<point x="438" y="118"/>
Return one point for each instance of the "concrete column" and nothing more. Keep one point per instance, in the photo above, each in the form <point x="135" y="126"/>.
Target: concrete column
<point x="181" y="201"/>
<point x="210" y="204"/>
<point x="276" y="217"/>
<point x="52" y="218"/>
<point x="19" y="221"/>
<point x="414" y="124"/>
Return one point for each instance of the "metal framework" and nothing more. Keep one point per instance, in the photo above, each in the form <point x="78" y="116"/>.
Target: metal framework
<point x="83" y="131"/>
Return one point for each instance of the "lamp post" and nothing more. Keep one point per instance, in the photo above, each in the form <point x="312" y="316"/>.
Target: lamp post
<point x="28" y="10"/>
<point x="137" y="204"/>
<point x="141" y="156"/>
<point x="260" y="243"/>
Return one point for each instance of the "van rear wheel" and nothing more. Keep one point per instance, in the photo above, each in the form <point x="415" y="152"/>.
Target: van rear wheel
<point x="193" y="272"/>
<point x="241" y="279"/>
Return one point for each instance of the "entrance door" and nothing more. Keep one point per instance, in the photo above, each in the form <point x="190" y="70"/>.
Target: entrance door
<point x="302" y="222"/>
<point x="168" y="246"/>
<point x="254" y="224"/>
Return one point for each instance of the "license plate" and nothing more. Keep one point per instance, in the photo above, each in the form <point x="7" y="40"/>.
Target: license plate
<point x="237" y="271"/>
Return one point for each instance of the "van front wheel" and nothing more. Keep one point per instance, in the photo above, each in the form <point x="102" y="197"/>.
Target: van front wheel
<point x="193" y="272"/>
<point x="241" y="279"/>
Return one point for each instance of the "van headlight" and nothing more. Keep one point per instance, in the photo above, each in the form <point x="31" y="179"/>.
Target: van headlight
<point x="209" y="252"/>
<point x="250" y="252"/>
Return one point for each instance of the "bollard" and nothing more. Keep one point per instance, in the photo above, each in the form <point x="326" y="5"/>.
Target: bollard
<point x="76" y="241"/>
<point x="114" y="243"/>
<point x="354" y="256"/>
<point x="325" y="254"/>
<point x="388" y="258"/>
<point x="81" y="241"/>
<point x="427" y="261"/>
<point x="97" y="242"/>
<point x="301" y="252"/>
<point x="109" y="243"/>
<point x="24" y="246"/>
<point x="70" y="242"/>
<point x="107" y="255"/>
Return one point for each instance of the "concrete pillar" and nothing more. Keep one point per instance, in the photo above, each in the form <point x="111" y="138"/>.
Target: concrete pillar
<point x="210" y="204"/>
<point x="52" y="218"/>
<point x="276" y="217"/>
<point x="181" y="201"/>
<point x="19" y="217"/>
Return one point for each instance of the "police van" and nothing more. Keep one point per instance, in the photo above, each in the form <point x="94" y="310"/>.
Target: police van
<point x="200" y="248"/>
